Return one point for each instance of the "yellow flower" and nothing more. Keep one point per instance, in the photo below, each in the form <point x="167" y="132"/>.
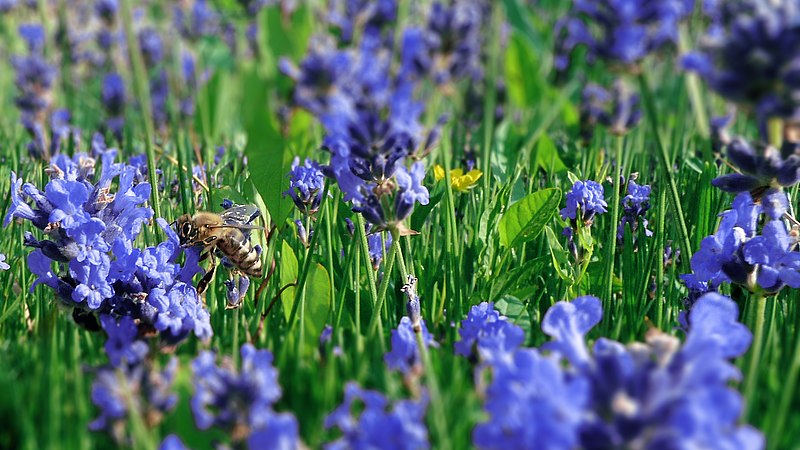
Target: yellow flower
<point x="459" y="181"/>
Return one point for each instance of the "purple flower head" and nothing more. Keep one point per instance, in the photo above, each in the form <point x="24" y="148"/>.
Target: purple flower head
<point x="749" y="56"/>
<point x="306" y="184"/>
<point x="150" y="392"/>
<point x="122" y="346"/>
<point x="405" y="355"/>
<point x="488" y="335"/>
<point x="760" y="166"/>
<point x="620" y="32"/>
<point x="34" y="79"/>
<point x="397" y="426"/>
<point x="378" y="244"/>
<point x="113" y="96"/>
<point x="3" y="264"/>
<point x="237" y="401"/>
<point x="634" y="208"/>
<point x="107" y="10"/>
<point x="718" y="259"/>
<point x="200" y="21"/>
<point x="374" y="16"/>
<point x="532" y="403"/>
<point x="775" y="253"/>
<point x="658" y="393"/>
<point x="453" y="38"/>
<point x="617" y="110"/>
<point x="411" y="190"/>
<point x="584" y="201"/>
<point x="172" y="442"/>
<point x="33" y="34"/>
<point x="151" y="46"/>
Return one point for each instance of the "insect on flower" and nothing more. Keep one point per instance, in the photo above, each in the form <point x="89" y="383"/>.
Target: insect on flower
<point x="227" y="234"/>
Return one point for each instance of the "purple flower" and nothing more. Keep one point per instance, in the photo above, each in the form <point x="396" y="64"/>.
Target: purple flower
<point x="617" y="110"/>
<point x="240" y="401"/>
<point x="172" y="442"/>
<point x="634" y="208"/>
<point x="405" y="355"/>
<point x="33" y="35"/>
<point x="749" y="56"/>
<point x="657" y="394"/>
<point x="378" y="247"/>
<point x="3" y="264"/>
<point x="584" y="201"/>
<point x="775" y="253"/>
<point x="122" y="345"/>
<point x="151" y="46"/>
<point x="150" y="392"/>
<point x="532" y="403"/>
<point x="411" y="190"/>
<point x="380" y="425"/>
<point x="113" y="96"/>
<point x="453" y="38"/>
<point x="306" y="183"/>
<point x="488" y="335"/>
<point x="760" y="165"/>
<point x="619" y="32"/>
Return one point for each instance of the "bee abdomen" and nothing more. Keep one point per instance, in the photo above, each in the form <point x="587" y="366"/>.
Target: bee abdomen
<point x="242" y="255"/>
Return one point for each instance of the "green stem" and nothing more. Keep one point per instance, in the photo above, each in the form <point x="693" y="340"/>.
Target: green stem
<point x="755" y="353"/>
<point x="490" y="99"/>
<point x="652" y="118"/>
<point x="143" y="96"/>
<point x="612" y="245"/>
<point x="387" y="274"/>
<point x="437" y="406"/>
<point x="788" y="394"/>
<point x="693" y="88"/>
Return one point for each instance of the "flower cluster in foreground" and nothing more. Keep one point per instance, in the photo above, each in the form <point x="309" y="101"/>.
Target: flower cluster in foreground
<point x="99" y="272"/>
<point x="653" y="394"/>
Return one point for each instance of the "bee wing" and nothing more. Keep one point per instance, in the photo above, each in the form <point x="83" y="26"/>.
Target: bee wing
<point x="240" y="215"/>
<point x="241" y="226"/>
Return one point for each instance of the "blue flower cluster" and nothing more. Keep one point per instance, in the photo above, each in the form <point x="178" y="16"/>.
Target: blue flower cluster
<point x="306" y="185"/>
<point x="655" y="394"/>
<point x="200" y="20"/>
<point x="114" y="100"/>
<point x="405" y="354"/>
<point x="634" y="208"/>
<point x="487" y="336"/>
<point x="116" y="389"/>
<point x="402" y="427"/>
<point x="91" y="232"/>
<point x="742" y="252"/>
<point x="749" y="56"/>
<point x="240" y="402"/>
<point x="452" y="43"/>
<point x="620" y="32"/>
<point x="152" y="49"/>
<point x="584" y="201"/>
<point x="366" y="101"/>
<point x="617" y="110"/>
<point x="34" y="79"/>
<point x="760" y="166"/>
<point x="107" y="36"/>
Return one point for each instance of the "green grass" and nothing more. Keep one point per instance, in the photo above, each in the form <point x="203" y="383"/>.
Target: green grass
<point x="458" y="257"/>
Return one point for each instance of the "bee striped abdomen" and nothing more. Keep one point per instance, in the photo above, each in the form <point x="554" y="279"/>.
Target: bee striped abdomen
<point x="242" y="254"/>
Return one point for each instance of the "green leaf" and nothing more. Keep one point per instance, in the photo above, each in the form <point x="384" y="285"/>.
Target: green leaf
<point x="526" y="218"/>
<point x="317" y="304"/>
<point x="559" y="255"/>
<point x="269" y="153"/>
<point x="515" y="310"/>
<point x="547" y="156"/>
<point x="289" y="272"/>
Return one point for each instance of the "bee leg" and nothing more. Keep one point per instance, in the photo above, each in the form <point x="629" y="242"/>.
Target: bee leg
<point x="203" y="283"/>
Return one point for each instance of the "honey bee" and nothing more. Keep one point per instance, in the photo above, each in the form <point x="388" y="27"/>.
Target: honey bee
<point x="227" y="233"/>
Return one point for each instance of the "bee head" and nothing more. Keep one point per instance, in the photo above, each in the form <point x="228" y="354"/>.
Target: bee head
<point x="185" y="230"/>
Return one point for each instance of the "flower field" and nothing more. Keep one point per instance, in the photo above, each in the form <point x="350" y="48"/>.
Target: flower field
<point x="349" y="224"/>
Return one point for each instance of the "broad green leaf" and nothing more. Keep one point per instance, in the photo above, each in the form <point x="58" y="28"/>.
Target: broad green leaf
<point x="526" y="218"/>
<point x="515" y="310"/>
<point x="559" y="255"/>
<point x="269" y="153"/>
<point x="547" y="156"/>
<point x="317" y="304"/>
<point x="289" y="273"/>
